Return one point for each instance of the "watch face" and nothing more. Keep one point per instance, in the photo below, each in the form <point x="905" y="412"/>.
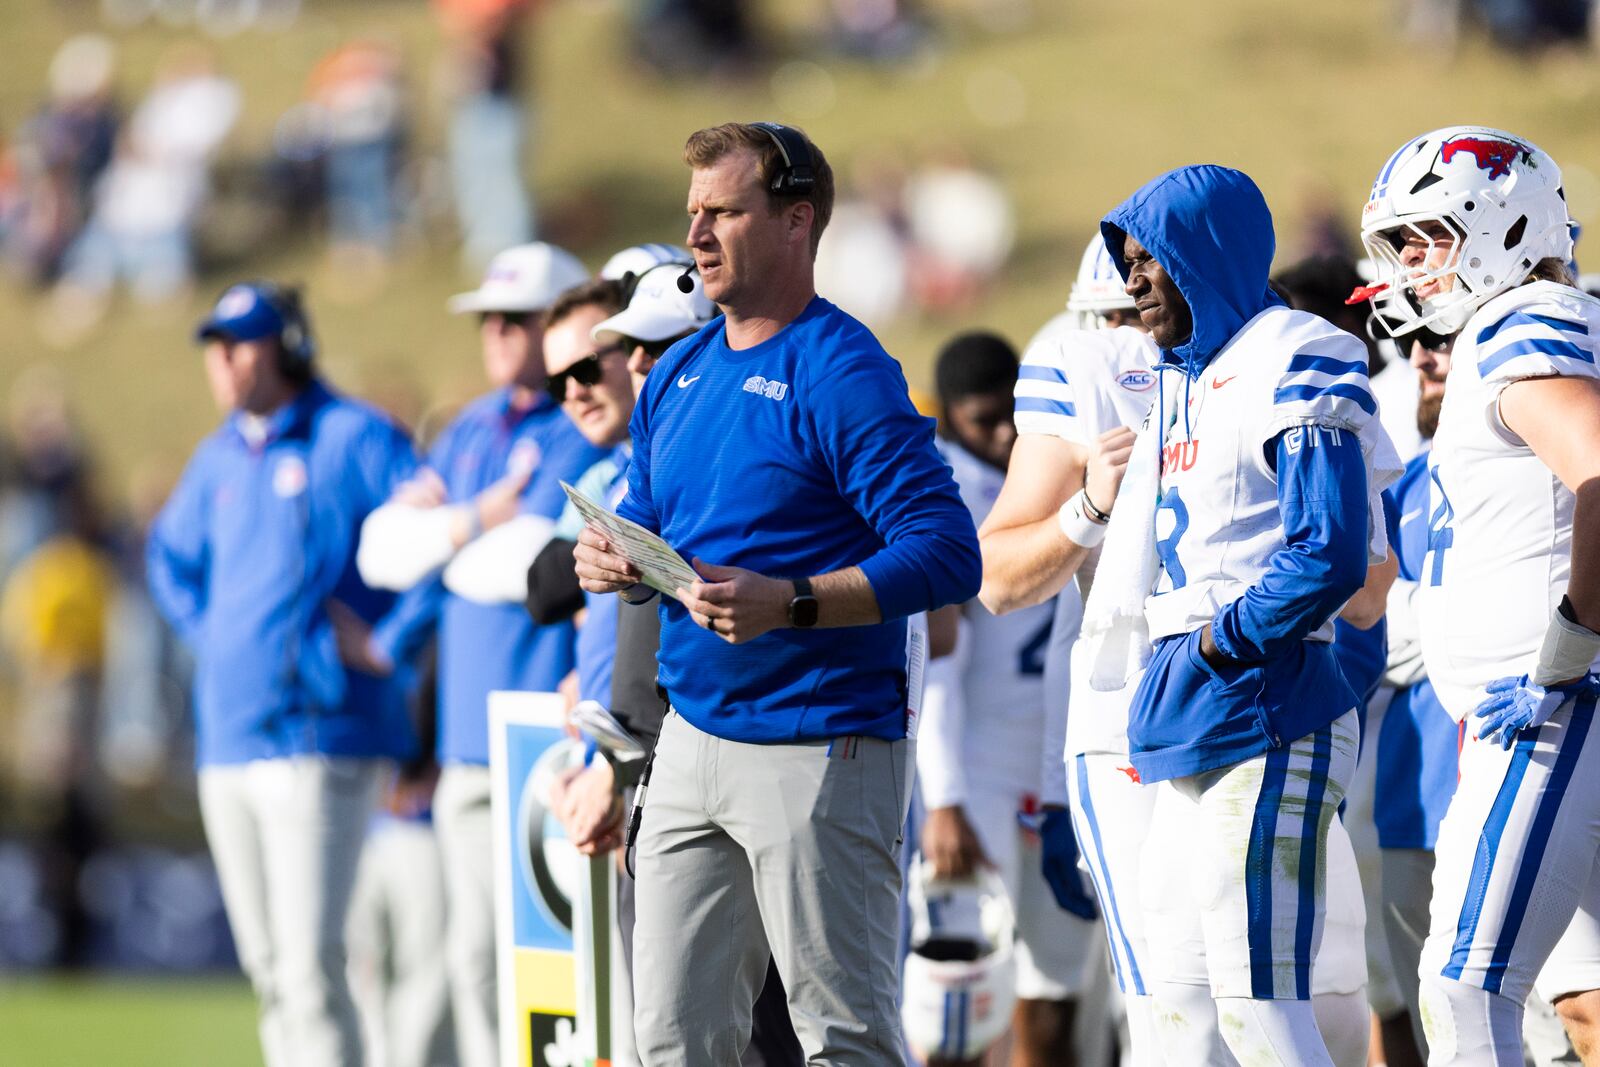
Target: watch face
<point x="803" y="611"/>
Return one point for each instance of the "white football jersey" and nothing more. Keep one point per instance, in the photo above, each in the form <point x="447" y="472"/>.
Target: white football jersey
<point x="1003" y="681"/>
<point x="1076" y="384"/>
<point x="1218" y="521"/>
<point x="1500" y="523"/>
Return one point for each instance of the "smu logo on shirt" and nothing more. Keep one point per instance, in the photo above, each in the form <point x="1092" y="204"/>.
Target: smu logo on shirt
<point x="772" y="390"/>
<point x="1137" y="381"/>
<point x="1180" y="455"/>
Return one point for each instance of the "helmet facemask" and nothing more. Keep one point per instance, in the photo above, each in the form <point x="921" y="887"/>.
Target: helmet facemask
<point x="1397" y="307"/>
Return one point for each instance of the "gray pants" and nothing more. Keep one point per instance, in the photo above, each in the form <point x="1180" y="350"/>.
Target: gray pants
<point x="746" y="850"/>
<point x="286" y="836"/>
<point x="462" y="818"/>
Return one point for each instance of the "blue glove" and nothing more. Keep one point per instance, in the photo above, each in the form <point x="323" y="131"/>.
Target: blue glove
<point x="1059" y="845"/>
<point x="1517" y="704"/>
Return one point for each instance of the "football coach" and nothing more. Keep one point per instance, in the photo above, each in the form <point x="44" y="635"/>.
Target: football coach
<point x="778" y="450"/>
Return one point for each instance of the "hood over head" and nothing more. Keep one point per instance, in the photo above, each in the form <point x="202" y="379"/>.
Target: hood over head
<point x="1210" y="229"/>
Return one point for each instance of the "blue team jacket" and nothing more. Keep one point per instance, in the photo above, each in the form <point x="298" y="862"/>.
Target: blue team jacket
<point x="1210" y="229"/>
<point x="242" y="560"/>
<point x="795" y="457"/>
<point x="483" y="647"/>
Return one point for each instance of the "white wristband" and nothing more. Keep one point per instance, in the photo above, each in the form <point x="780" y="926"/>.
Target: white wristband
<point x="1568" y="651"/>
<point x="1075" y="523"/>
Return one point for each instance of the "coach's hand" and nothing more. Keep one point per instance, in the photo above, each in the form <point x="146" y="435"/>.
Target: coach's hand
<point x="1108" y="462"/>
<point x="950" y="845"/>
<point x="590" y="809"/>
<point x="735" y="604"/>
<point x="599" y="569"/>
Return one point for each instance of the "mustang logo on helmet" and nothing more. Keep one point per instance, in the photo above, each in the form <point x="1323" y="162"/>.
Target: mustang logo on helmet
<point x="1495" y="157"/>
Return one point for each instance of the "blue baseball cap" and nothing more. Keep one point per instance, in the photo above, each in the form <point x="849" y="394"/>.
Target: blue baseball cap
<point x="245" y="312"/>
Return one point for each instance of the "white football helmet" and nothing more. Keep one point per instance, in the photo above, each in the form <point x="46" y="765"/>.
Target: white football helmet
<point x="1098" y="287"/>
<point x="960" y="980"/>
<point x="1485" y="205"/>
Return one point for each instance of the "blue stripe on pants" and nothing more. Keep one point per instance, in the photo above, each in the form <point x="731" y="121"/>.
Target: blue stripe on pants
<point x="1102" y="881"/>
<point x="1538" y="840"/>
<point x="1483" y="863"/>
<point x="1310" y="836"/>
<point x="1258" y="873"/>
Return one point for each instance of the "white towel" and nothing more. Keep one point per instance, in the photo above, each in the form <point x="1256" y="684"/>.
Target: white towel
<point x="1113" y="619"/>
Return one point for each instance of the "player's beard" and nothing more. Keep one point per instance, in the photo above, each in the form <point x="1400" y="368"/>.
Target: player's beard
<point x="1428" y="415"/>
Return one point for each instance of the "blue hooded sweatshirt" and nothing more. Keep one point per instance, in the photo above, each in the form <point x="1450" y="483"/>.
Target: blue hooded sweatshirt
<point x="1211" y="231"/>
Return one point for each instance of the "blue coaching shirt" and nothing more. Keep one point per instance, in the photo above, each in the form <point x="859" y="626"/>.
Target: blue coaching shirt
<point x="250" y="547"/>
<point x="483" y="647"/>
<point x="796" y="457"/>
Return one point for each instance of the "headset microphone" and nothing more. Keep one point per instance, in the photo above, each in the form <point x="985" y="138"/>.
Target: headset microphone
<point x="685" y="282"/>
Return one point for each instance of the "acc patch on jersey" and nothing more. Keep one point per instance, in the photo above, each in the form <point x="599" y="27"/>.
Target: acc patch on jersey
<point x="289" y="476"/>
<point x="1137" y="381"/>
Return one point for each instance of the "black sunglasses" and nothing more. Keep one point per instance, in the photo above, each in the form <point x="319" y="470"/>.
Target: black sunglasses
<point x="586" y="372"/>
<point x="510" y="318"/>
<point x="653" y="349"/>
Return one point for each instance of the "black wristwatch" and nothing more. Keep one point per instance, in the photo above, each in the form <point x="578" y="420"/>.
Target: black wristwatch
<point x="803" y="608"/>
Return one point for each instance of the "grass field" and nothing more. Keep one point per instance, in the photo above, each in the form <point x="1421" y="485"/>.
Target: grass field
<point x="1073" y="111"/>
<point x="128" y="1022"/>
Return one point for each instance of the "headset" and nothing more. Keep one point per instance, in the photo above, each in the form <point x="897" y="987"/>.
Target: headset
<point x="295" y="340"/>
<point x="798" y="175"/>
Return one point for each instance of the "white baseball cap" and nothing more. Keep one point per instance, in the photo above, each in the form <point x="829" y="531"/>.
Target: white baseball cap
<point x="661" y="306"/>
<point x="525" y="278"/>
<point x="638" y="259"/>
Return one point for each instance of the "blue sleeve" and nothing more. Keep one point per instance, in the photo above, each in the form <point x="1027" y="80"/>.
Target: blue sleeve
<point x="1322" y="495"/>
<point x="636" y="505"/>
<point x="384" y="459"/>
<point x="403" y="631"/>
<point x="176" y="554"/>
<point x="1391" y="520"/>
<point x="882" y="454"/>
<point x="567" y="455"/>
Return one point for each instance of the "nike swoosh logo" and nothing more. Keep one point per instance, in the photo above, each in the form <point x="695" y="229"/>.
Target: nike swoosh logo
<point x="684" y="381"/>
<point x="1405" y="520"/>
<point x="1220" y="382"/>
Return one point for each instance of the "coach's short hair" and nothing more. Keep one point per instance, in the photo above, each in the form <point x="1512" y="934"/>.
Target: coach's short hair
<point x="706" y="146"/>
<point x="603" y="293"/>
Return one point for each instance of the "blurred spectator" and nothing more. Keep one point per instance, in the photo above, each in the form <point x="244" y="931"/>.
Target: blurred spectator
<point x="46" y="483"/>
<point x="358" y="92"/>
<point x="146" y="204"/>
<point x="693" y="38"/>
<point x="487" y="125"/>
<point x="876" y="29"/>
<point x="53" y="613"/>
<point x="963" y="227"/>
<point x="862" y="263"/>
<point x="59" y="154"/>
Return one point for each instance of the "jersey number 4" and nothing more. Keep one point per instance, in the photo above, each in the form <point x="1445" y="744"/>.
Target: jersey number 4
<point x="1440" y="535"/>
